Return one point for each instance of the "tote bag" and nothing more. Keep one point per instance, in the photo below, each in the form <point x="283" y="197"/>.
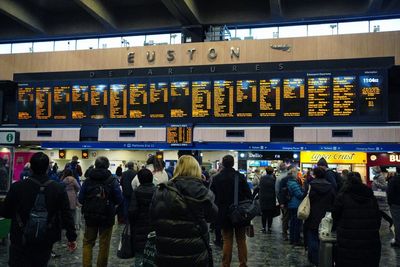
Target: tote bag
<point x="303" y="210"/>
<point x="125" y="248"/>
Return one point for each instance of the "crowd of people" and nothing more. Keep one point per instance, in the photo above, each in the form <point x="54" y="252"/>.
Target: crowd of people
<point x="180" y="206"/>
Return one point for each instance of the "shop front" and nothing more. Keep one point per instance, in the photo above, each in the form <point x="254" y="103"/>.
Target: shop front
<point x="386" y="161"/>
<point x="337" y="160"/>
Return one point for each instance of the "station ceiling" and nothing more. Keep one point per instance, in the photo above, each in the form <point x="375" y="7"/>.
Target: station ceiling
<point x="52" y="19"/>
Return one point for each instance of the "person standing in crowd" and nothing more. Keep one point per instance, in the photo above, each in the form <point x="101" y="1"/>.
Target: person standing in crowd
<point x="256" y="178"/>
<point x="379" y="187"/>
<point x="267" y="196"/>
<point x="330" y="175"/>
<point x="87" y="172"/>
<point x="344" y="174"/>
<point x="322" y="197"/>
<point x="75" y="168"/>
<point x="282" y="192"/>
<point x="139" y="217"/>
<point x="126" y="185"/>
<point x="99" y="196"/>
<point x="17" y="206"/>
<point x="206" y="177"/>
<point x="296" y="196"/>
<point x="223" y="186"/>
<point x="393" y="198"/>
<point x="118" y="172"/>
<point x="72" y="188"/>
<point x="156" y="166"/>
<point x="357" y="220"/>
<point x="26" y="172"/>
<point x="53" y="173"/>
<point x="179" y="212"/>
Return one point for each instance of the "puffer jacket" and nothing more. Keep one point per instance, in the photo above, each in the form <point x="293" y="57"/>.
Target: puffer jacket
<point x="180" y="211"/>
<point x="357" y="217"/>
<point x="139" y="215"/>
<point x="267" y="192"/>
<point x="296" y="193"/>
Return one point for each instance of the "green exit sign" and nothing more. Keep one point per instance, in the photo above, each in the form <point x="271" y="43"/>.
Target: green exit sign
<point x="8" y="137"/>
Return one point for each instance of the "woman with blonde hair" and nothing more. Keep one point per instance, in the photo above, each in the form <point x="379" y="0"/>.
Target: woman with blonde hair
<point x="179" y="212"/>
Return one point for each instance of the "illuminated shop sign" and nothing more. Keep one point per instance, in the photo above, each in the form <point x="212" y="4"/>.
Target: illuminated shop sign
<point x="333" y="157"/>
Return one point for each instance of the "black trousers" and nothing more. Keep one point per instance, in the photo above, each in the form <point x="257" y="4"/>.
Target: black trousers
<point x="267" y="215"/>
<point x="29" y="256"/>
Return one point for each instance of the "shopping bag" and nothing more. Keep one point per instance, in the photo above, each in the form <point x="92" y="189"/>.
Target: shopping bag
<point x="277" y="211"/>
<point x="304" y="209"/>
<point x="150" y="251"/>
<point x="125" y="248"/>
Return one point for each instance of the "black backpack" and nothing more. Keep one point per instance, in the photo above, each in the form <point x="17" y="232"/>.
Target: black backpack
<point x="97" y="207"/>
<point x="338" y="179"/>
<point x="35" y="231"/>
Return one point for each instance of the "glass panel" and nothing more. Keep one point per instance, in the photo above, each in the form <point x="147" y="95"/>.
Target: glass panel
<point x="87" y="44"/>
<point x="158" y="39"/>
<point x="293" y="31"/>
<point x="21" y="48"/>
<point x="240" y="34"/>
<point x="64" y="45"/>
<point x="353" y="27"/>
<point x="129" y="41"/>
<point x="5" y="48"/>
<point x="176" y="38"/>
<point x="43" y="46"/>
<point x="112" y="42"/>
<point x="264" y="33"/>
<point x="322" y="29"/>
<point x="384" y="25"/>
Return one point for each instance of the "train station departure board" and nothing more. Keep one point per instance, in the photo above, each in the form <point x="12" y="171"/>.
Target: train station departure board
<point x="370" y="96"/>
<point x="158" y="104"/>
<point x="61" y="101"/>
<point x="26" y="102"/>
<point x="201" y="99"/>
<point x="118" y="101"/>
<point x="180" y="100"/>
<point x="293" y="97"/>
<point x="179" y="135"/>
<point x="98" y="101"/>
<point x="138" y="99"/>
<point x="223" y="99"/>
<point x="246" y="98"/>
<point x="43" y="102"/>
<point x="344" y="96"/>
<point x="270" y="97"/>
<point x="318" y="104"/>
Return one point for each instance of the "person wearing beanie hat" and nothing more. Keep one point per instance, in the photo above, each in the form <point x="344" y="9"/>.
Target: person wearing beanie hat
<point x="322" y="163"/>
<point x="330" y="175"/>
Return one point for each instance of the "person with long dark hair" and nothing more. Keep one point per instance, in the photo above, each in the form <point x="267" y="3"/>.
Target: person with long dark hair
<point x="72" y="187"/>
<point x="267" y="196"/>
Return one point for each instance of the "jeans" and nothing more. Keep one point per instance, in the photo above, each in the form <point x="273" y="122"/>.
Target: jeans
<point x="295" y="226"/>
<point x="89" y="240"/>
<point x="313" y="246"/>
<point x="29" y="257"/>
<point x="395" y="211"/>
<point x="227" y="235"/>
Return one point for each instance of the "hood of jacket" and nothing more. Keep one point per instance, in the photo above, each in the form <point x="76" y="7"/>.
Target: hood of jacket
<point x="321" y="186"/>
<point x="100" y="174"/>
<point x="193" y="188"/>
<point x="360" y="192"/>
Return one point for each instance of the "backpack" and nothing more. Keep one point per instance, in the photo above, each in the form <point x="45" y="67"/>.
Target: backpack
<point x="35" y="231"/>
<point x="338" y="179"/>
<point x="97" y="207"/>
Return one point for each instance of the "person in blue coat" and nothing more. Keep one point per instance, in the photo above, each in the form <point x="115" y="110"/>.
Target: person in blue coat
<point x="296" y="193"/>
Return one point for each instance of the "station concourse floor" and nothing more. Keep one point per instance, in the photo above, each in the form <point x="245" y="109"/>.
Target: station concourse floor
<point x="263" y="250"/>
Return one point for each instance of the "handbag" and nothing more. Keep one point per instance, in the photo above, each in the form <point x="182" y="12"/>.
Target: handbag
<point x="303" y="211"/>
<point x="277" y="211"/>
<point x="150" y="251"/>
<point x="241" y="213"/>
<point x="250" y="230"/>
<point x="125" y="248"/>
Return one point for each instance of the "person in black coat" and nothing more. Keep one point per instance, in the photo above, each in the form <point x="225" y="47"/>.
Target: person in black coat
<point x="180" y="211"/>
<point x="322" y="197"/>
<point x="267" y="197"/>
<point x="223" y="186"/>
<point x="393" y="198"/>
<point x="139" y="217"/>
<point x="357" y="218"/>
<point x="126" y="180"/>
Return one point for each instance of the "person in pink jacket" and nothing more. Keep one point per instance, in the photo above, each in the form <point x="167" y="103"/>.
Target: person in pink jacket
<point x="72" y="187"/>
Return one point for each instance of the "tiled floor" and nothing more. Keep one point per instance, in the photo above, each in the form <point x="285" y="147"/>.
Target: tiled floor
<point x="264" y="250"/>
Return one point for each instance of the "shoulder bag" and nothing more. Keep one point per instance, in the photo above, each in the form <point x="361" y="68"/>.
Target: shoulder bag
<point x="303" y="211"/>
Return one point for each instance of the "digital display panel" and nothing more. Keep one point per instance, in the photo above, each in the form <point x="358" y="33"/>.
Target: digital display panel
<point x="246" y="98"/>
<point x="223" y="99"/>
<point x="201" y="99"/>
<point x="344" y="96"/>
<point x="138" y="99"/>
<point x="180" y="104"/>
<point x="80" y="101"/>
<point x="118" y="101"/>
<point x="370" y="98"/>
<point x="98" y="101"/>
<point x="179" y="135"/>
<point x="318" y="89"/>
<point x="293" y="100"/>
<point x="270" y="97"/>
<point x="62" y="98"/>
<point x="158" y="100"/>
<point x="26" y="102"/>
<point x="43" y="102"/>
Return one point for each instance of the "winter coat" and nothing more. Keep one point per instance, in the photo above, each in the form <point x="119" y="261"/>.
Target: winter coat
<point x="279" y="176"/>
<point x="139" y="217"/>
<point x="357" y="218"/>
<point x="126" y="182"/>
<point x="322" y="197"/>
<point x="393" y="191"/>
<point x="331" y="178"/>
<point x="283" y="191"/>
<point x="158" y="177"/>
<point x="379" y="183"/>
<point x="179" y="212"/>
<point x="223" y="186"/>
<point x="72" y="187"/>
<point x="266" y="192"/>
<point x="296" y="193"/>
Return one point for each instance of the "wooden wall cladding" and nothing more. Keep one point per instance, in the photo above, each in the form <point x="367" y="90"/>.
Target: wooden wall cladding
<point x="305" y="48"/>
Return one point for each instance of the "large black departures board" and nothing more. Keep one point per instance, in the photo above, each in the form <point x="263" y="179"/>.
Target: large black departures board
<point x="323" y="96"/>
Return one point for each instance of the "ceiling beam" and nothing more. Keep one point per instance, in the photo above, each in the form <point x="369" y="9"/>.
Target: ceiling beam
<point x="21" y="14"/>
<point x="276" y="8"/>
<point x="185" y="11"/>
<point x="97" y="9"/>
